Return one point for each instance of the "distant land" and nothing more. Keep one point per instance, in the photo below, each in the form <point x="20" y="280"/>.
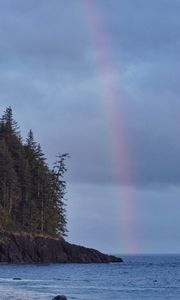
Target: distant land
<point x="32" y="206"/>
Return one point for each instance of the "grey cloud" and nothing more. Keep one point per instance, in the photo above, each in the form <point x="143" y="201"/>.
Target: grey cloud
<point x="42" y="31"/>
<point x="50" y="77"/>
<point x="143" y="29"/>
<point x="154" y="217"/>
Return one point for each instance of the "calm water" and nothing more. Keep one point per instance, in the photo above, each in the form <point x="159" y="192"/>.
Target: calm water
<point x="139" y="277"/>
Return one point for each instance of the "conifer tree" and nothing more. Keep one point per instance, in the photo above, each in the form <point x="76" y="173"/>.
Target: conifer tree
<point x="31" y="194"/>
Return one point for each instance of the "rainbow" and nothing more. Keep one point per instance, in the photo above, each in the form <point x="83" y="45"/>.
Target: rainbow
<point x="118" y="135"/>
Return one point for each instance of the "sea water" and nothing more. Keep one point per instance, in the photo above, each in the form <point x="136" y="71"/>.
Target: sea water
<point x="139" y="277"/>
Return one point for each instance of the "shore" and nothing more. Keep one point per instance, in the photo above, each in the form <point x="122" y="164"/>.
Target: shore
<point x="22" y="248"/>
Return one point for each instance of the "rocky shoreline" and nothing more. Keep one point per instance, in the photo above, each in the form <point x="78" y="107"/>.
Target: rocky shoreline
<point x="21" y="248"/>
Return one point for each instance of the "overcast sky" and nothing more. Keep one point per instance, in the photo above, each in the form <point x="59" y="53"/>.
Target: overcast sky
<point x="100" y="80"/>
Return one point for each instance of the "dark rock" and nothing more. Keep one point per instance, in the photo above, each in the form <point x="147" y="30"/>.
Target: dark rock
<point x="17" y="248"/>
<point x="60" y="297"/>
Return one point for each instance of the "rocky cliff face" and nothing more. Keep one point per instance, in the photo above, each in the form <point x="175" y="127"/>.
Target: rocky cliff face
<point x="16" y="248"/>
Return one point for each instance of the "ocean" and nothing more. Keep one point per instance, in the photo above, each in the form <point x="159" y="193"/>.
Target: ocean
<point x="139" y="277"/>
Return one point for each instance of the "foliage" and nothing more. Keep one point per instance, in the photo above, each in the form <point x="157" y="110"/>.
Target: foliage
<point x="31" y="194"/>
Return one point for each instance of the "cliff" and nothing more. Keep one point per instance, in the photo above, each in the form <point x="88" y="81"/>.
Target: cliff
<point x="21" y="248"/>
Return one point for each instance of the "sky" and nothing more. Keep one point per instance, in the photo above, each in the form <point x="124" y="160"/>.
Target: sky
<point x="100" y="80"/>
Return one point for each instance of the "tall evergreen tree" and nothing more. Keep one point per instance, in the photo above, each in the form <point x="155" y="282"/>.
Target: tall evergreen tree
<point x="31" y="194"/>
<point x="60" y="190"/>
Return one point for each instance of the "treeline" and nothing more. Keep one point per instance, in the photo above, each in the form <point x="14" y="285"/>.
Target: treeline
<point x="31" y="194"/>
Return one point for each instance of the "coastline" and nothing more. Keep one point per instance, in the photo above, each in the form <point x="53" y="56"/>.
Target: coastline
<point x="24" y="248"/>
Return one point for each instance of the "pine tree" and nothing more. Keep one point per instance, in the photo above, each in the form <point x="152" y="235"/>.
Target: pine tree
<point x="60" y="189"/>
<point x="31" y="194"/>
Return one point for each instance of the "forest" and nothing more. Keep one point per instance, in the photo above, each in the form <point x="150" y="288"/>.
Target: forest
<point x="32" y="195"/>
